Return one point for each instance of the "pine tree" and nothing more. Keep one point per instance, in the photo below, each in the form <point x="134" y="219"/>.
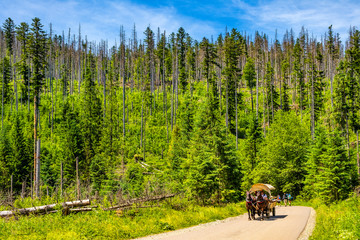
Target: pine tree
<point x="353" y="76"/>
<point x="5" y="159"/>
<point x="37" y="52"/>
<point x="91" y="116"/>
<point x="313" y="165"/>
<point x="234" y="47"/>
<point x="71" y="141"/>
<point x="22" y="34"/>
<point x="9" y="30"/>
<point x="180" y="38"/>
<point x="250" y="77"/>
<point x="299" y="75"/>
<point x="251" y="149"/>
<point x="284" y="97"/>
<point x="208" y="60"/>
<point x="272" y="95"/>
<point x="5" y="68"/>
<point x="20" y="163"/>
<point x="329" y="168"/>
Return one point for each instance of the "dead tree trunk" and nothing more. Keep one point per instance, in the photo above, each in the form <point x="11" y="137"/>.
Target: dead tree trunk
<point x="78" y="192"/>
<point x="44" y="209"/>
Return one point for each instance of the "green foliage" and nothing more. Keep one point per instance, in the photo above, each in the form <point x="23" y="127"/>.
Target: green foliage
<point x="272" y="95"/>
<point x="91" y="117"/>
<point x="134" y="176"/>
<point x="37" y="50"/>
<point x="5" y="69"/>
<point x="340" y="220"/>
<point x="9" y="30"/>
<point x="5" y="159"/>
<point x="249" y="76"/>
<point x="20" y="163"/>
<point x="98" y="172"/>
<point x="282" y="156"/>
<point x="329" y="168"/>
<point x="181" y="51"/>
<point x="252" y="147"/>
<point x="347" y="87"/>
<point x="126" y="224"/>
<point x="299" y="73"/>
<point x="175" y="106"/>
<point x="234" y="48"/>
<point x="284" y="97"/>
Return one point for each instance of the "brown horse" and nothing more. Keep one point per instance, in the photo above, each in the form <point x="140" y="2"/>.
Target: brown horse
<point x="261" y="205"/>
<point x="250" y="207"/>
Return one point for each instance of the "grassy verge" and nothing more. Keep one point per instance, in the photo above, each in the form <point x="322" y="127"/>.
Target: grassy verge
<point x="337" y="221"/>
<point x="115" y="225"/>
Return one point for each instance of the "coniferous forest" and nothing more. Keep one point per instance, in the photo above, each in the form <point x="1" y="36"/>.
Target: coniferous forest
<point x="162" y="112"/>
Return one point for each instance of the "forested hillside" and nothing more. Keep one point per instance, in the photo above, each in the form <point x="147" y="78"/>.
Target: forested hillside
<point x="162" y="112"/>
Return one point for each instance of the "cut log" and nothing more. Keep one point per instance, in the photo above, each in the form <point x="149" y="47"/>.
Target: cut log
<point x="44" y="209"/>
<point x="78" y="203"/>
<point x="76" y="210"/>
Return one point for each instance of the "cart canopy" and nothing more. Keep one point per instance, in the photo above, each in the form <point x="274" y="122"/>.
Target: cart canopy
<point x="262" y="187"/>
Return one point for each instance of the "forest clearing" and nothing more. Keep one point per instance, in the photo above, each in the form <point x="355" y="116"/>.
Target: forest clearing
<point x="164" y="131"/>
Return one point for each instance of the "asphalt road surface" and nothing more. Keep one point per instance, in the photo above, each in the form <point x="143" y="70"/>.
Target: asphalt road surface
<point x="289" y="223"/>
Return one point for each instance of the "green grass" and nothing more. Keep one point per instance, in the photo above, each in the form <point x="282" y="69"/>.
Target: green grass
<point x="115" y="225"/>
<point x="337" y="221"/>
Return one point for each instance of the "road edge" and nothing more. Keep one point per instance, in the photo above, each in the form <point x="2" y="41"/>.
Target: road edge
<point x="310" y="225"/>
<point x="187" y="229"/>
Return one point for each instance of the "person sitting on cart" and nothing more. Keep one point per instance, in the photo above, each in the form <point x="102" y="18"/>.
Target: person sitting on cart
<point x="264" y="195"/>
<point x="259" y="196"/>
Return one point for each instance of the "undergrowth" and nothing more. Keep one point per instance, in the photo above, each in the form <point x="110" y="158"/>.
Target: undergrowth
<point x="339" y="220"/>
<point x="125" y="224"/>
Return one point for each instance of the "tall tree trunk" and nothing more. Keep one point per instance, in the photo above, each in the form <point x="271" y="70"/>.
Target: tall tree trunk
<point x="357" y="153"/>
<point x="37" y="178"/>
<point x="312" y="107"/>
<point x="264" y="109"/>
<point x="142" y="122"/>
<point x="252" y="101"/>
<point x="272" y="100"/>
<point x="257" y="90"/>
<point x="236" y="115"/>
<point x="78" y="191"/>
<point x="35" y="139"/>
<point x="61" y="179"/>
<point x="227" y="104"/>
<point x="2" y="98"/>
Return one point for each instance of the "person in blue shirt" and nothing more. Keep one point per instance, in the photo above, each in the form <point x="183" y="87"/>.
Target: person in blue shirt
<point x="290" y="199"/>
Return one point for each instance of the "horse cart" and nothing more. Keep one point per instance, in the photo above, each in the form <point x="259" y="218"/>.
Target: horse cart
<point x="262" y="205"/>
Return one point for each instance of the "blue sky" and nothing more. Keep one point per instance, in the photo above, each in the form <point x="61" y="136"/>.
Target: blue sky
<point x="102" y="19"/>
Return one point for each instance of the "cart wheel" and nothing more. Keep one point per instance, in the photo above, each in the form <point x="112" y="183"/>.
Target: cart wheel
<point x="273" y="211"/>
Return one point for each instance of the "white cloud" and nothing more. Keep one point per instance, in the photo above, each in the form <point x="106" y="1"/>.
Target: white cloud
<point x="316" y="16"/>
<point x="102" y="21"/>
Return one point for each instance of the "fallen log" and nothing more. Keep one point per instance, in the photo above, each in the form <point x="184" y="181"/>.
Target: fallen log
<point x="76" y="210"/>
<point x="44" y="209"/>
<point x="78" y="203"/>
<point x="138" y="200"/>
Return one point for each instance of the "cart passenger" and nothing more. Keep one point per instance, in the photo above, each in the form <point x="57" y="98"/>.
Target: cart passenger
<point x="264" y="195"/>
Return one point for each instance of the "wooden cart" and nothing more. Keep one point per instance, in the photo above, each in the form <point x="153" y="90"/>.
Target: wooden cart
<point x="271" y="200"/>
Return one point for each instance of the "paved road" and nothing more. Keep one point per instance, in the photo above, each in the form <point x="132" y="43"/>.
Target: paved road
<point x="288" y="224"/>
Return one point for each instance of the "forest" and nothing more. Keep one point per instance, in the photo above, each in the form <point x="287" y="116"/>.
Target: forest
<point x="166" y="113"/>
